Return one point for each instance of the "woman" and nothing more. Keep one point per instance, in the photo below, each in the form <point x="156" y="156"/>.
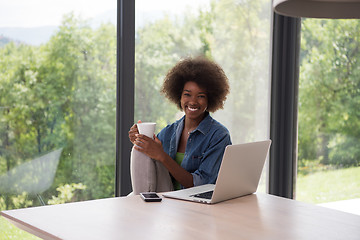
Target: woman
<point x="191" y="148"/>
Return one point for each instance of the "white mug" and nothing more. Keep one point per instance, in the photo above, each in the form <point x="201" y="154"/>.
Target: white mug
<point x="147" y="128"/>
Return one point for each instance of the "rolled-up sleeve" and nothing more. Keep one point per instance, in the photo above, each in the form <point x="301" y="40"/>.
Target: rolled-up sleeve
<point x="211" y="159"/>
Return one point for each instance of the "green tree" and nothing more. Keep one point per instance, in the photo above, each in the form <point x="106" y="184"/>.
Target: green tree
<point x="83" y="61"/>
<point x="62" y="94"/>
<point x="159" y="46"/>
<point x="241" y="46"/>
<point x="329" y="92"/>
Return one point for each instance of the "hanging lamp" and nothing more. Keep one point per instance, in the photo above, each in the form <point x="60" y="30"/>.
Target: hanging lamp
<point x="318" y="8"/>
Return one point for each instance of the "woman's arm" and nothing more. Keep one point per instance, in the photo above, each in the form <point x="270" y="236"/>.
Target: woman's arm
<point x="154" y="149"/>
<point x="211" y="159"/>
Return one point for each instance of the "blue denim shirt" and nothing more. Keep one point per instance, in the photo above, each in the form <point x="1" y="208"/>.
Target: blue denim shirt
<point x="204" y="149"/>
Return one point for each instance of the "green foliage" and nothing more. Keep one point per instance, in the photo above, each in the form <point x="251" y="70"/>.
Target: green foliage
<point x="345" y="151"/>
<point x="329" y="120"/>
<point x="67" y="193"/>
<point x="158" y="47"/>
<point x="241" y="45"/>
<point x="8" y="232"/>
<point x="306" y="167"/>
<point x="62" y="94"/>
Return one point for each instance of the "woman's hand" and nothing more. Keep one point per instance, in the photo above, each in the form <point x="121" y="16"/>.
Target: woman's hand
<point x="133" y="131"/>
<point x="151" y="147"/>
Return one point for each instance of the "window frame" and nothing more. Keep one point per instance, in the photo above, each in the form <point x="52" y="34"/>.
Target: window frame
<point x="284" y="105"/>
<point x="125" y="82"/>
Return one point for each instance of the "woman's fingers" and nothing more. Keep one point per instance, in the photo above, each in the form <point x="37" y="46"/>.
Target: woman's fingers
<point x="150" y="147"/>
<point x="133" y="131"/>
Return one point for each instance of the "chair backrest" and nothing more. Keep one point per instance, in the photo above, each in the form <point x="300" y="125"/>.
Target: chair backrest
<point x="33" y="177"/>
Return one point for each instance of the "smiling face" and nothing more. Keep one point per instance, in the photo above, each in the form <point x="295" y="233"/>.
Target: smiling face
<point x="194" y="101"/>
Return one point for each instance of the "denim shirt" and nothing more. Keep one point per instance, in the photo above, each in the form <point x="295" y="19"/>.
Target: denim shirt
<point x="204" y="149"/>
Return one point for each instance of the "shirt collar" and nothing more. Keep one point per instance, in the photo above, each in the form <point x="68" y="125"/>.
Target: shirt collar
<point x="203" y="127"/>
<point x="205" y="124"/>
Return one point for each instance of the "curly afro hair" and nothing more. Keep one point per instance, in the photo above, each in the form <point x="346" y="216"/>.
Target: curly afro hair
<point x="206" y="73"/>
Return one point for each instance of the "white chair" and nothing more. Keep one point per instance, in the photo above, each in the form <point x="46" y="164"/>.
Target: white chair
<point x="32" y="177"/>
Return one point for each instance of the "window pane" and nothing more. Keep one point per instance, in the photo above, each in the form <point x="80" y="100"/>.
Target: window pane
<point x="57" y="101"/>
<point x="329" y="120"/>
<point x="238" y="41"/>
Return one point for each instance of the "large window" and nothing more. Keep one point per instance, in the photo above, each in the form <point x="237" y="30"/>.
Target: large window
<point x="57" y="103"/>
<point x="58" y="86"/>
<point x="329" y="116"/>
<point x="167" y="31"/>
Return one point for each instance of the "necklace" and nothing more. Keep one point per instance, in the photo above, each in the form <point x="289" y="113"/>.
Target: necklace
<point x="190" y="131"/>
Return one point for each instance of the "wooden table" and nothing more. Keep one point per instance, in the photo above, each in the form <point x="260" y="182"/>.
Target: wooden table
<point x="257" y="216"/>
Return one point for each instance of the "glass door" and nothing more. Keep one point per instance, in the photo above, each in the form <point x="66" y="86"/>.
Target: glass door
<point x="329" y="117"/>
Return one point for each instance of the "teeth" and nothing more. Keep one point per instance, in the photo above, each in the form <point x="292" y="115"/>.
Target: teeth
<point x="192" y="109"/>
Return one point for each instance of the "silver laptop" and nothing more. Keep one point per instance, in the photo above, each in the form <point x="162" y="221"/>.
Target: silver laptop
<point x="239" y="175"/>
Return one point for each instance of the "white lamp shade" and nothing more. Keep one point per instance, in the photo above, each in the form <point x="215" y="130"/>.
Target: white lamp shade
<point x="318" y="8"/>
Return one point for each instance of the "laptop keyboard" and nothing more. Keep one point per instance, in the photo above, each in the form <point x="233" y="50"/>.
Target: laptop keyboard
<point x="206" y="195"/>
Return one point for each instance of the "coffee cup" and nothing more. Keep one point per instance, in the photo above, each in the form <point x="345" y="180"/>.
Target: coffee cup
<point x="147" y="128"/>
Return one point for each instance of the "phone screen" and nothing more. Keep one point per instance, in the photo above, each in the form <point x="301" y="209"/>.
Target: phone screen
<point x="150" y="197"/>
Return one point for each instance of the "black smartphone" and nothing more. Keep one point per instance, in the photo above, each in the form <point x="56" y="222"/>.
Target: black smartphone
<point x="150" y="197"/>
